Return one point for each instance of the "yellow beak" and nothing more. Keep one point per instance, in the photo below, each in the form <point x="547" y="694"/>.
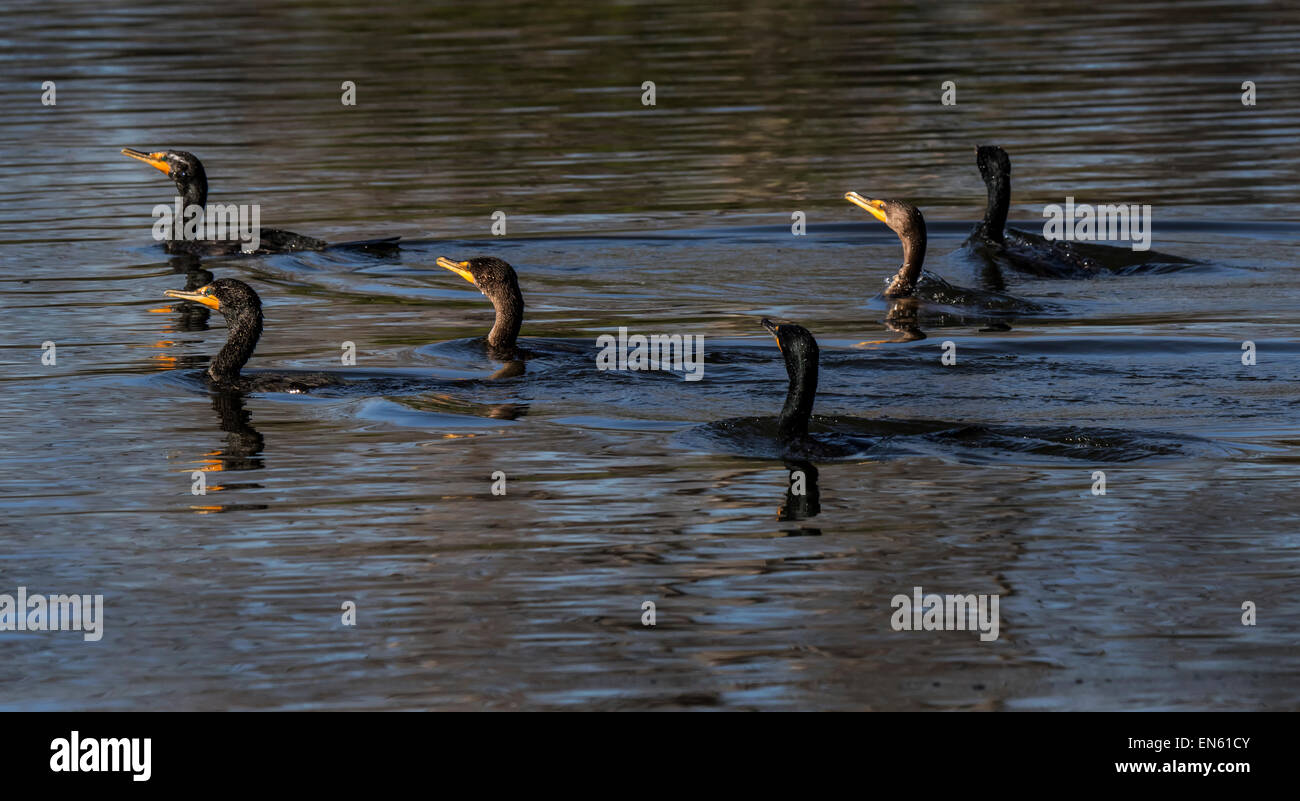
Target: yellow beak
<point x="155" y="160"/>
<point x="876" y="208"/>
<point x="460" y="268"/>
<point x="199" y="295"/>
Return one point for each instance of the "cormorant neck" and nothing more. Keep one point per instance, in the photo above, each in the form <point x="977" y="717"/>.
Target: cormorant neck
<point x="244" y="331"/>
<point x="904" y="282"/>
<point x="995" y="212"/>
<point x="193" y="192"/>
<point x="802" y="369"/>
<point x="510" y="316"/>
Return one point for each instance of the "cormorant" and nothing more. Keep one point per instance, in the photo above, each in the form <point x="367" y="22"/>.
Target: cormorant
<point x="1036" y="255"/>
<point x="787" y="435"/>
<point x="802" y="357"/>
<point x="797" y="434"/>
<point x="497" y="281"/>
<point x="910" y="281"/>
<point x="191" y="180"/>
<point x="242" y="308"/>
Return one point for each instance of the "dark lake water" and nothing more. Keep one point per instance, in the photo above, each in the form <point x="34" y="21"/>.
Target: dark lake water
<point x="670" y="219"/>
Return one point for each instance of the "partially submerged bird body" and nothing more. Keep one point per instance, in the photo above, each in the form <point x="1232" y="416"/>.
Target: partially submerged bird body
<point x="241" y="307"/>
<point x="191" y="179"/>
<point x="1034" y="254"/>
<point x="792" y="434"/>
<point x="798" y="434"/>
<point x="912" y="281"/>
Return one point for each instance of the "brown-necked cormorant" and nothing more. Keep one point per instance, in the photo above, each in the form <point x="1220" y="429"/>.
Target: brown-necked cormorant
<point x="242" y="308"/>
<point x="191" y="180"/>
<point x="1036" y="255"/>
<point x="497" y="281"/>
<point x="910" y="281"/>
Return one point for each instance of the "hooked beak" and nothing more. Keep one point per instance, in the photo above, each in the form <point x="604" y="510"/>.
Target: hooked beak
<point x="460" y="268"/>
<point x="199" y="295"/>
<point x="876" y="208"/>
<point x="155" y="160"/>
<point x="772" y="328"/>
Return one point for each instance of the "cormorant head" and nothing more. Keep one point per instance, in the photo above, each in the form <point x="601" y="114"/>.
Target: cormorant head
<point x="796" y="343"/>
<point x="904" y="218"/>
<point x="234" y="299"/>
<point x="242" y="308"/>
<point x="993" y="161"/>
<point x="494" y="278"/>
<point x="183" y="168"/>
<point x="906" y="221"/>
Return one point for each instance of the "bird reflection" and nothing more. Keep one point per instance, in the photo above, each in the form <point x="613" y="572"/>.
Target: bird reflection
<point x="445" y="403"/>
<point x="903" y="319"/>
<point x="242" y="451"/>
<point x="990" y="276"/>
<point x="511" y="369"/>
<point x="802" y="497"/>
<point x="191" y="316"/>
<point x="507" y="411"/>
<point x="244" y="443"/>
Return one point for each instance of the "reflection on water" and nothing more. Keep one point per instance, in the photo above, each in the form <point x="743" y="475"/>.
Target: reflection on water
<point x="771" y="593"/>
<point x="243" y="442"/>
<point x="803" y="497"/>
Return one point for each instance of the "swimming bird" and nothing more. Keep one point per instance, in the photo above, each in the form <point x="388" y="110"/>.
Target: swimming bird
<point x="186" y="171"/>
<point x="242" y="308"/>
<point x="799" y="435"/>
<point x="911" y="281"/>
<point x="1046" y="258"/>
<point x="497" y="281"/>
<point x="786" y="436"/>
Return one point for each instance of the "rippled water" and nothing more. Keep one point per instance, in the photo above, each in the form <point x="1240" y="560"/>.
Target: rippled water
<point x="671" y="219"/>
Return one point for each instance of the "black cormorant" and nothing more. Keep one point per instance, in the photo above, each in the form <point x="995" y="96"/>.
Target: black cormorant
<point x="797" y="434"/>
<point x="191" y="180"/>
<point x="242" y="308"/>
<point x="1036" y="255"/>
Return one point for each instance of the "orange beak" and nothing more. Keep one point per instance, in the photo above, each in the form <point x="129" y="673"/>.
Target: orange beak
<point x="201" y="295"/>
<point x="156" y="160"/>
